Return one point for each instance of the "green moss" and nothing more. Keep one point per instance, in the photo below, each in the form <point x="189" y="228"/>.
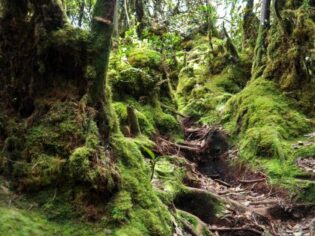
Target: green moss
<point x="70" y="36"/>
<point x="144" y="57"/>
<point x="61" y="147"/>
<point x="148" y="215"/>
<point x="264" y="120"/>
<point x="261" y="104"/>
<point x="79" y="162"/>
<point x="168" y="177"/>
<point x="308" y="151"/>
<point x="33" y="223"/>
<point x="151" y="118"/>
<point x="205" y="97"/>
<point x="122" y="206"/>
<point x="197" y="226"/>
<point x="133" y="81"/>
<point x="45" y="213"/>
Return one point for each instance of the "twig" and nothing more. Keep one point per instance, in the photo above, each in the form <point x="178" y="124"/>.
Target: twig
<point x="222" y="182"/>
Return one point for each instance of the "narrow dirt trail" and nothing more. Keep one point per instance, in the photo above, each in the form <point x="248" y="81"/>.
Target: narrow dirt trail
<point x="253" y="210"/>
<point x="252" y="206"/>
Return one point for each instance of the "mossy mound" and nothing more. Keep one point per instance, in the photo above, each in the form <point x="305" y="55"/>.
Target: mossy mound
<point x="61" y="146"/>
<point x="61" y="150"/>
<point x="263" y="114"/>
<point x="136" y="77"/>
<point x="135" y="73"/>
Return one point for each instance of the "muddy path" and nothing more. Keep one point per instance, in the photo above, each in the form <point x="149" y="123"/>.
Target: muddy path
<point x="251" y="205"/>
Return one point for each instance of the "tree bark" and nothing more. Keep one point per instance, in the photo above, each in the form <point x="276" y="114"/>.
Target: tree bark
<point x="265" y="14"/>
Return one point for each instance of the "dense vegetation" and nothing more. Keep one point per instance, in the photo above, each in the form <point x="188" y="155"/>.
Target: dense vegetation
<point x="97" y="98"/>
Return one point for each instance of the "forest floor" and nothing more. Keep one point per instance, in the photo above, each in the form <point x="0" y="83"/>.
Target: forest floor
<point x="252" y="206"/>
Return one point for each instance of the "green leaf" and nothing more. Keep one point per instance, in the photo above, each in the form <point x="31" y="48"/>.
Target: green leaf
<point x="149" y="152"/>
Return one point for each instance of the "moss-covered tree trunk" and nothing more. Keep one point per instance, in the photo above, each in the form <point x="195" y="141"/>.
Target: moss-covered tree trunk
<point x="250" y="26"/>
<point x="139" y="7"/>
<point x="102" y="30"/>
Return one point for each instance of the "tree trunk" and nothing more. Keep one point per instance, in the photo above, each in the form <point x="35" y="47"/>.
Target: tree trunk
<point x="250" y="26"/>
<point x="81" y="14"/>
<point x="140" y="17"/>
<point x="265" y="14"/>
<point x="102" y="29"/>
<point x="261" y="44"/>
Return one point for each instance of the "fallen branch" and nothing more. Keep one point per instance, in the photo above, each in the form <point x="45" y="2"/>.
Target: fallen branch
<point x="264" y="202"/>
<point x="195" y="149"/>
<point x="252" y="181"/>
<point x="247" y="228"/>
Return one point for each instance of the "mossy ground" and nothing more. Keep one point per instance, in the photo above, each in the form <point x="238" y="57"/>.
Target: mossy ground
<point x="22" y="216"/>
